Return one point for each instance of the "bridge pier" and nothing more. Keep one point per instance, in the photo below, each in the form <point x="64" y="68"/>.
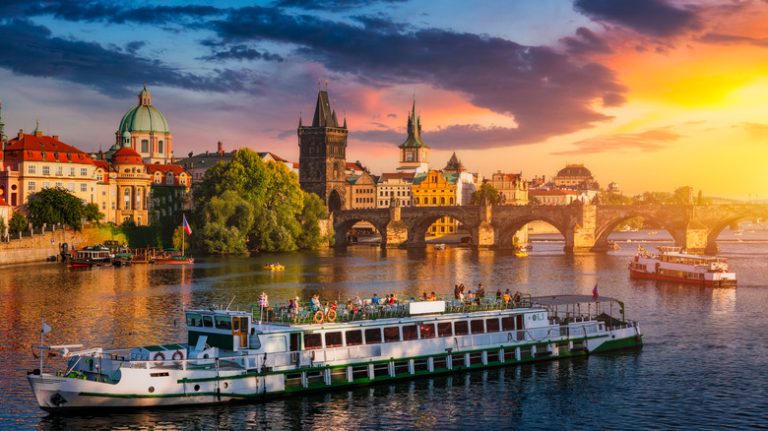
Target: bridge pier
<point x="396" y="233"/>
<point x="696" y="237"/>
<point x="581" y="238"/>
<point x="484" y="235"/>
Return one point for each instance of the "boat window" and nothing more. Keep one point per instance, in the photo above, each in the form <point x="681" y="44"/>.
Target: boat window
<point x="223" y="322"/>
<point x="477" y="326"/>
<point x="491" y="325"/>
<point x="444" y="329"/>
<point x="507" y="323"/>
<point x="427" y="330"/>
<point x="208" y="321"/>
<point x="236" y="324"/>
<point x="354" y="338"/>
<point x="391" y="334"/>
<point x="410" y="332"/>
<point x="333" y="339"/>
<point x="373" y="336"/>
<point x="313" y="341"/>
<point x="461" y="327"/>
<point x="194" y="319"/>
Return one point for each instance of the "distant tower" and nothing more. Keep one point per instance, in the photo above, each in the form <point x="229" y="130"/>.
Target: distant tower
<point x="322" y="154"/>
<point x="2" y="127"/>
<point x="414" y="153"/>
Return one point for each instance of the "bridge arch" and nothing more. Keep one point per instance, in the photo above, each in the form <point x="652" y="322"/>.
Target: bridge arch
<point x="505" y="232"/>
<point x="718" y="226"/>
<point x="417" y="227"/>
<point x="342" y="227"/>
<point x="602" y="232"/>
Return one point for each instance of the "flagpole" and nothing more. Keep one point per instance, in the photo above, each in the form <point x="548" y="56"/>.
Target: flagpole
<point x="42" y="333"/>
<point x="183" y="234"/>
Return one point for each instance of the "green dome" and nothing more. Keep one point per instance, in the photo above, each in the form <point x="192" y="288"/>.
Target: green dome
<point x="144" y="117"/>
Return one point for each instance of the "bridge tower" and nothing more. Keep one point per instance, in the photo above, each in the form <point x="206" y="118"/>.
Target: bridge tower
<point x="323" y="154"/>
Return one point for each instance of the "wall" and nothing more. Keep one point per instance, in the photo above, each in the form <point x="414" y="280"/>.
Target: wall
<point x="39" y="247"/>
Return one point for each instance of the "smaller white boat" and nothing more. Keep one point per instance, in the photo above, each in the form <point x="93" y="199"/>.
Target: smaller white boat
<point x="440" y="246"/>
<point x="673" y="264"/>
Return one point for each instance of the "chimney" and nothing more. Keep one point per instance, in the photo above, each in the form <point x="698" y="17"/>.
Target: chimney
<point x="55" y="137"/>
<point x="21" y="133"/>
<point x="220" y="148"/>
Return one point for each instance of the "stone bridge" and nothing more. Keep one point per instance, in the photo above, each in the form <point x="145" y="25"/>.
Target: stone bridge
<point x="585" y="227"/>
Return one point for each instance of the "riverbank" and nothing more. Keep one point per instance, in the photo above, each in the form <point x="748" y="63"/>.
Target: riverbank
<point x="40" y="247"/>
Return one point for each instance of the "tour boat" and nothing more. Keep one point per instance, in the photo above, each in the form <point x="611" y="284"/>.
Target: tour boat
<point x="246" y="355"/>
<point x="673" y="264"/>
<point x="90" y="256"/>
<point x="439" y="246"/>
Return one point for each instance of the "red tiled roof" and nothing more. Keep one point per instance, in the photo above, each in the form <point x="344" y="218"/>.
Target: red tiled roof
<point x="127" y="156"/>
<point x="3" y="203"/>
<point x="552" y="192"/>
<point x="39" y="147"/>
<point x="102" y="164"/>
<point x="397" y="176"/>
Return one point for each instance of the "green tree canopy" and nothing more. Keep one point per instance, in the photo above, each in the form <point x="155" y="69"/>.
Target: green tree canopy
<point x="54" y="206"/>
<point x="248" y="205"/>
<point x="486" y="193"/>
<point x="18" y="223"/>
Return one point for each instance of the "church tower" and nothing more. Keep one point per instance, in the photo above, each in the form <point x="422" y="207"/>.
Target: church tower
<point x="2" y="129"/>
<point x="323" y="154"/>
<point x="414" y="152"/>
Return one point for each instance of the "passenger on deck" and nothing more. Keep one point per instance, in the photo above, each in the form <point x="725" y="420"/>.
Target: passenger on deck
<point x="516" y="299"/>
<point x="471" y="297"/>
<point x="507" y="297"/>
<point x="498" y="295"/>
<point x="455" y="291"/>
<point x="393" y="299"/>
<point x="480" y="291"/>
<point x="315" y="303"/>
<point x="424" y="296"/>
<point x="432" y="296"/>
<point x="375" y="299"/>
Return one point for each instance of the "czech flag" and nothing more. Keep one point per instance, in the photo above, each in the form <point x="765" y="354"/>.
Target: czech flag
<point x="594" y="292"/>
<point x="187" y="229"/>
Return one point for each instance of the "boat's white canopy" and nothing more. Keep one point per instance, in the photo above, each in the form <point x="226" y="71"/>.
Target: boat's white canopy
<point x="555" y="300"/>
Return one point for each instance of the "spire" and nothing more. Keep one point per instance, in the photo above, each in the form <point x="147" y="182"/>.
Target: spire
<point x="324" y="115"/>
<point x="454" y="165"/>
<point x="414" y="129"/>
<point x="145" y="97"/>
<point x="37" y="131"/>
<point x="2" y="126"/>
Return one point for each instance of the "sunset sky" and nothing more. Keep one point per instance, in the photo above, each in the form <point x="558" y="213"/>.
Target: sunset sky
<point x="650" y="94"/>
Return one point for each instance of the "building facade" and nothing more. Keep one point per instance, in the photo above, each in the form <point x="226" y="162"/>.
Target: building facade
<point x="322" y="155"/>
<point x="467" y="183"/>
<point x="436" y="188"/>
<point x="511" y="187"/>
<point x="577" y="177"/>
<point x="394" y="188"/>
<point x="361" y="192"/>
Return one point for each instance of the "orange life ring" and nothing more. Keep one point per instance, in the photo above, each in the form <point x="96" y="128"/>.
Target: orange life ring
<point x="178" y="355"/>
<point x="331" y="316"/>
<point x="159" y="356"/>
<point x="318" y="317"/>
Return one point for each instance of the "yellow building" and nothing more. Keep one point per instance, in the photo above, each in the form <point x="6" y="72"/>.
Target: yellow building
<point x="435" y="188"/>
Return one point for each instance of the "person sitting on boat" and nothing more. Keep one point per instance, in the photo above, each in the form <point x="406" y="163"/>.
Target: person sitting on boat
<point x="375" y="299"/>
<point x="314" y="303"/>
<point x="480" y="291"/>
<point x="507" y="297"/>
<point x="432" y="296"/>
<point x="393" y="299"/>
<point x="471" y="297"/>
<point x="498" y="295"/>
<point x="455" y="291"/>
<point x="461" y="296"/>
<point x="424" y="296"/>
<point x="516" y="299"/>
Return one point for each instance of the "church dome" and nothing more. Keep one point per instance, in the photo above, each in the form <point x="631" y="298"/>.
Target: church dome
<point x="574" y="171"/>
<point x="144" y="117"/>
<point x="127" y="156"/>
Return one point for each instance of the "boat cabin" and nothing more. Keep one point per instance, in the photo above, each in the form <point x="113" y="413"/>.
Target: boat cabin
<point x="225" y="329"/>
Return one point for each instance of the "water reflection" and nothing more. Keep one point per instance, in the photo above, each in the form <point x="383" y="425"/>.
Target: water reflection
<point x="120" y="307"/>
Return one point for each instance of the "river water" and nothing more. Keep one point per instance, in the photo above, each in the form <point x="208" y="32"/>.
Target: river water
<point x="703" y="366"/>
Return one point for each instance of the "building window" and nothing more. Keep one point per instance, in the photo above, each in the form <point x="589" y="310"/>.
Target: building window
<point x="127" y="199"/>
<point x="71" y="187"/>
<point x="160" y="147"/>
<point x="59" y="170"/>
<point x="32" y="186"/>
<point x="84" y="172"/>
<point x="31" y="169"/>
<point x="58" y="184"/>
<point x="46" y="185"/>
<point x="71" y="172"/>
<point x="83" y="187"/>
<point x="144" y="146"/>
<point x="46" y="170"/>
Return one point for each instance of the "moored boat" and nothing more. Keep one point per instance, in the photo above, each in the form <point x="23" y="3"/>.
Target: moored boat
<point x="90" y="256"/>
<point x="172" y="256"/>
<point x="258" y="354"/>
<point x="673" y="264"/>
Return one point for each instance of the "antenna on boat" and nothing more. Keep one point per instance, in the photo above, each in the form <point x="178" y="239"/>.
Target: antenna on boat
<point x="230" y="302"/>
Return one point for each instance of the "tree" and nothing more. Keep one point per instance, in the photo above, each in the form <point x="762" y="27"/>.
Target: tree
<point x="611" y="198"/>
<point x="91" y="213"/>
<point x="2" y="227"/>
<point x="249" y="205"/>
<point x="683" y="195"/>
<point x="56" y="206"/>
<point x="18" y="223"/>
<point x="310" y="237"/>
<point x="486" y="193"/>
<point x="178" y="238"/>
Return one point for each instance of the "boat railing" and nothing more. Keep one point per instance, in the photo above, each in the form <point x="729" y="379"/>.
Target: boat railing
<point x="370" y="311"/>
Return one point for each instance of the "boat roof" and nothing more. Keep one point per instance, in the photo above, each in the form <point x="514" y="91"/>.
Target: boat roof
<point x="569" y="299"/>
<point x="694" y="256"/>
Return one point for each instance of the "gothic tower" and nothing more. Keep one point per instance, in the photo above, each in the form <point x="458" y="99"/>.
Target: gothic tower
<point x="414" y="152"/>
<point x="322" y="154"/>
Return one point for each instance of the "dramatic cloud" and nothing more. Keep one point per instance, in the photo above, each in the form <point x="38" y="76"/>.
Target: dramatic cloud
<point x="330" y="4"/>
<point x="115" y="13"/>
<point x="585" y="42"/>
<point x="547" y="92"/>
<point x="730" y="39"/>
<point x="651" y="17"/>
<point x="30" y="49"/>
<point x="242" y="52"/>
<point x="647" y="141"/>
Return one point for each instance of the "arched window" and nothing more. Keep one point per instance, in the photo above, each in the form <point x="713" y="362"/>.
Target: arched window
<point x="442" y="201"/>
<point x="451" y="201"/>
<point x="434" y="201"/>
<point x="415" y="201"/>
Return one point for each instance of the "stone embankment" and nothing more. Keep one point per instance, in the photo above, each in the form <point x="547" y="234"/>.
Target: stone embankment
<point x="41" y="246"/>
